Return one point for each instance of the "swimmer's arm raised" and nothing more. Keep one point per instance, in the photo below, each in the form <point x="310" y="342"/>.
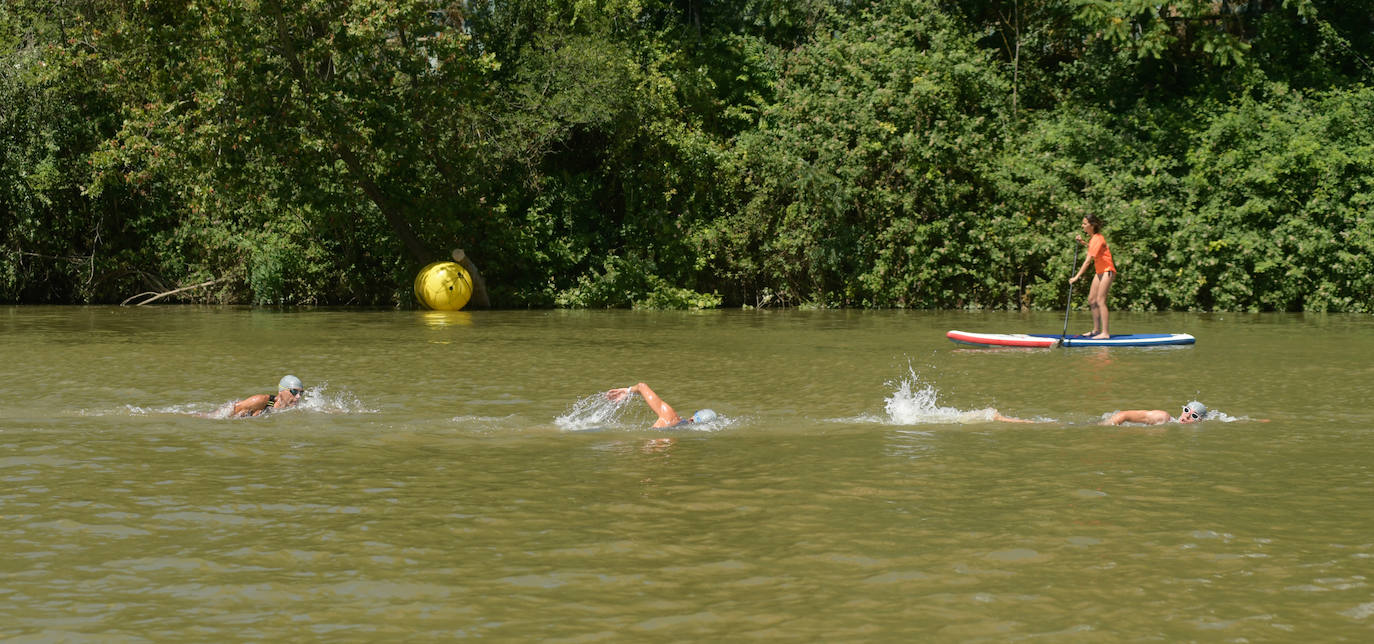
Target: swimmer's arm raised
<point x="666" y="415"/>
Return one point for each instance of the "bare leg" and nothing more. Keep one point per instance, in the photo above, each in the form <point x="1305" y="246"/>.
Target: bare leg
<point x="1101" y="285"/>
<point x="1092" y="307"/>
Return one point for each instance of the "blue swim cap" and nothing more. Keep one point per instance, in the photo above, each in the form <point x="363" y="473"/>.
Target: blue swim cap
<point x="289" y="382"/>
<point x="704" y="416"/>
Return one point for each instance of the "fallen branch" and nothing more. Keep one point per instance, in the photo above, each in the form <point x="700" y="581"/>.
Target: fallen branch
<point x="156" y="296"/>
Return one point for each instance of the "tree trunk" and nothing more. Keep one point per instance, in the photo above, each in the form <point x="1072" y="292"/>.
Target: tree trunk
<point x="389" y="209"/>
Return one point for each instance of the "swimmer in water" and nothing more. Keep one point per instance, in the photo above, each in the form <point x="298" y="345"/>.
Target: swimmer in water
<point x="289" y="391"/>
<point x="1193" y="412"/>
<point x="666" y="416"/>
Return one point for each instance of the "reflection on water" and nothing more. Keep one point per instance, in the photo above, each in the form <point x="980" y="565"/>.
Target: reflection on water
<point x="441" y="319"/>
<point x="469" y="479"/>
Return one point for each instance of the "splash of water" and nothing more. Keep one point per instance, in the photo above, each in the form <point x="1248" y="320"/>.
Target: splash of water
<point x="1223" y="416"/>
<point x="319" y="399"/>
<point x="187" y="409"/>
<point x="914" y="402"/>
<point x="593" y="412"/>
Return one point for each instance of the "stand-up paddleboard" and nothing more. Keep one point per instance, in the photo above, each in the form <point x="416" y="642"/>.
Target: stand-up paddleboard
<point x="1046" y="340"/>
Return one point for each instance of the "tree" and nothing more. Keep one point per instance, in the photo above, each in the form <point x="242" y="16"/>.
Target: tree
<point x="862" y="180"/>
<point x="381" y="97"/>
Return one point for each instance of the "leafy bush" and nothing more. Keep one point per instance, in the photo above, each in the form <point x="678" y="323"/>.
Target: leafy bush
<point x="861" y="180"/>
<point x="626" y="283"/>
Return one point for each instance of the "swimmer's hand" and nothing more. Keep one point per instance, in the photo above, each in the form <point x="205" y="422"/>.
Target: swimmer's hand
<point x="616" y="395"/>
<point x="286" y="400"/>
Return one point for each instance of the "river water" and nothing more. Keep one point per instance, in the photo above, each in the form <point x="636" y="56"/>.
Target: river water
<point x="458" y="475"/>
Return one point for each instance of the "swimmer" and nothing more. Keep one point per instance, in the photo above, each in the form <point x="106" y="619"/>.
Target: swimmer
<point x="666" y="416"/>
<point x="1193" y="412"/>
<point x="289" y="391"/>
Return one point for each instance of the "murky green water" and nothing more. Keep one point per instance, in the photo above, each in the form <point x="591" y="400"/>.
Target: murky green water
<point x="452" y="475"/>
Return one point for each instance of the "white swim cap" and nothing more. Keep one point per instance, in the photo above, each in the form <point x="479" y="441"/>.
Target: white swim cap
<point x="1197" y="408"/>
<point x="289" y="382"/>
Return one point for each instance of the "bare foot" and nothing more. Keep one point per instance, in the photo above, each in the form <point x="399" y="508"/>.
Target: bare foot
<point x="1101" y="336"/>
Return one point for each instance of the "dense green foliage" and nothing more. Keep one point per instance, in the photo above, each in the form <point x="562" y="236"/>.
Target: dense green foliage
<point x="689" y="153"/>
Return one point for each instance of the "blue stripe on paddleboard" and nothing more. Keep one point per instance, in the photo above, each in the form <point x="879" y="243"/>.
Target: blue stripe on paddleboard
<point x="1126" y="340"/>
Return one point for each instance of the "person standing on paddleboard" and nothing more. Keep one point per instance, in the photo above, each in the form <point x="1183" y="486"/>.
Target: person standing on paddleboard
<point x="1099" y="257"/>
<point x="666" y="416"/>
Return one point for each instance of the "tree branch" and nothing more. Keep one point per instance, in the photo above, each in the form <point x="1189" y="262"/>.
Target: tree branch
<point x="158" y="296"/>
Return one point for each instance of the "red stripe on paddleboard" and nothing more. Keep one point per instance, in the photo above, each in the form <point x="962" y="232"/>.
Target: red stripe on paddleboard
<point x="998" y="340"/>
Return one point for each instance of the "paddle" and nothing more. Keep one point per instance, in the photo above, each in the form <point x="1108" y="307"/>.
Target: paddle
<point x="1068" y="305"/>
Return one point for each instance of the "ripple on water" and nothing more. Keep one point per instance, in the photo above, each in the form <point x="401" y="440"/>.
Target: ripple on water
<point x="101" y="530"/>
<point x="1017" y="555"/>
<point x="883" y="525"/>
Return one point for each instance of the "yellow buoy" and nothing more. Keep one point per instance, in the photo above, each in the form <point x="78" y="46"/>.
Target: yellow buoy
<point x="443" y="286"/>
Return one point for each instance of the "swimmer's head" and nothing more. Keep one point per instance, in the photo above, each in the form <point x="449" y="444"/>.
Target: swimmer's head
<point x="1193" y="412"/>
<point x="290" y="382"/>
<point x="704" y="416"/>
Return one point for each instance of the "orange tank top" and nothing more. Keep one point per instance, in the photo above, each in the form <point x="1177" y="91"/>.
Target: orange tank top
<point x="1102" y="256"/>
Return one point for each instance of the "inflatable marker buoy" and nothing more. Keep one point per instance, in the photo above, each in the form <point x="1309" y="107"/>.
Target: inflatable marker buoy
<point x="443" y="286"/>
